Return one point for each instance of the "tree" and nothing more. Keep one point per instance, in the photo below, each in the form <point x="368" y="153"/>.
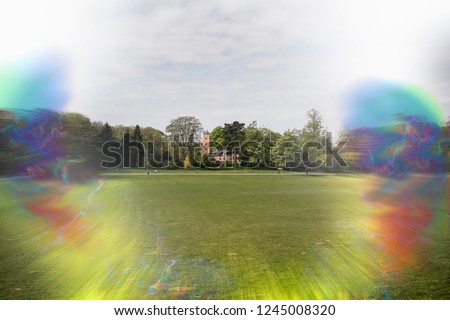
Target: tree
<point x="217" y="137"/>
<point x="138" y="152"/>
<point x="233" y="134"/>
<point x="251" y="149"/>
<point x="105" y="134"/>
<point x="287" y="149"/>
<point x="258" y="146"/>
<point x="76" y="124"/>
<point x="80" y="138"/>
<point x="185" y="130"/>
<point x="96" y="127"/>
<point x="186" y="163"/>
<point x="313" y="134"/>
<point x="314" y="129"/>
<point x="157" y="150"/>
<point x="119" y="130"/>
<point x="152" y="134"/>
<point x="137" y="135"/>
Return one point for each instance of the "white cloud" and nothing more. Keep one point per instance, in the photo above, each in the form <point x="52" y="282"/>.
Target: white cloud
<point x="147" y="62"/>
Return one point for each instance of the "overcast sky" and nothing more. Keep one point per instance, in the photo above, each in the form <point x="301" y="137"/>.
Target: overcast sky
<point x="147" y="62"/>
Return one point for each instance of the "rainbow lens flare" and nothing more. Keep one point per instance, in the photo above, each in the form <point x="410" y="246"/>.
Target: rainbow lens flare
<point x="396" y="133"/>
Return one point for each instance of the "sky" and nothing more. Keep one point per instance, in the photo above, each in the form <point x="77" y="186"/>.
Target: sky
<point x="147" y="62"/>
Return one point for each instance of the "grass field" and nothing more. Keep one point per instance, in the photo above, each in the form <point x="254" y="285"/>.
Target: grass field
<point x="202" y="236"/>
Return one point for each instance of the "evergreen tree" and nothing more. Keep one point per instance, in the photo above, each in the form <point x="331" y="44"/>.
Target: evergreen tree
<point x="137" y="135"/>
<point x="105" y="134"/>
<point x="233" y="134"/>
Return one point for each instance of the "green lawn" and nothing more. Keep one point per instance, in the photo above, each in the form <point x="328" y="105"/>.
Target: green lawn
<point x="199" y="236"/>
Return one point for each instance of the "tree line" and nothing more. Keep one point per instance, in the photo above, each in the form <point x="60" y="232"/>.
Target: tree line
<point x="254" y="146"/>
<point x="251" y="146"/>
